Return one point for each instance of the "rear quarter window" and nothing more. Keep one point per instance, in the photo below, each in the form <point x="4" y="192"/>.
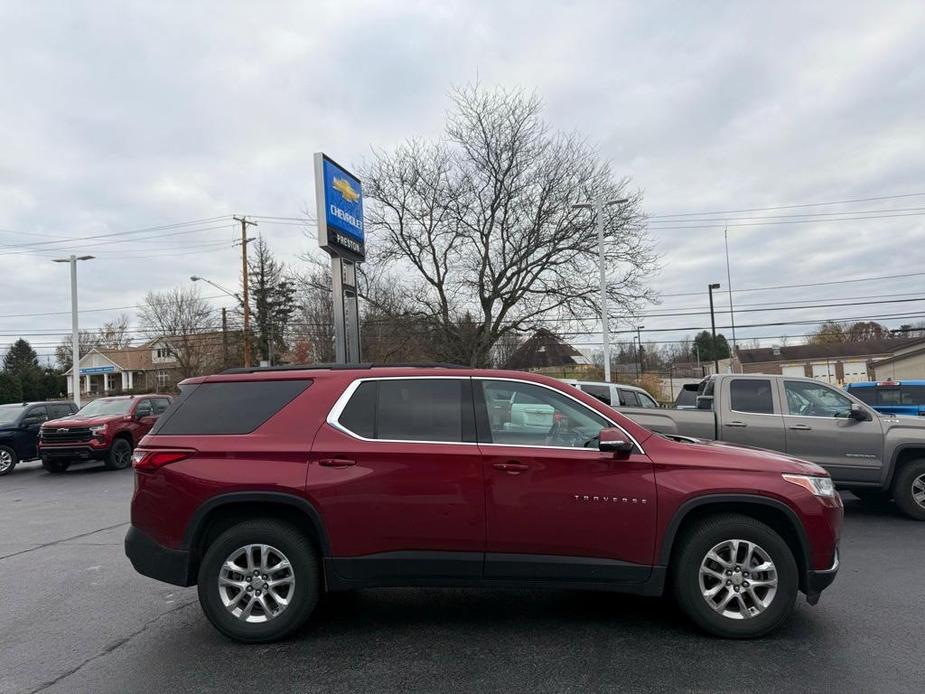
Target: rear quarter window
<point x="227" y="407"/>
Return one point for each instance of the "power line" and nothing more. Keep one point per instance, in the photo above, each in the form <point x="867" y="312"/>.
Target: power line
<point x="789" y="221"/>
<point x="789" y="207"/>
<point x="809" y="284"/>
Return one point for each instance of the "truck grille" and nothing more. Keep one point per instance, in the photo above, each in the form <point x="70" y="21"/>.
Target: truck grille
<point x="65" y="434"/>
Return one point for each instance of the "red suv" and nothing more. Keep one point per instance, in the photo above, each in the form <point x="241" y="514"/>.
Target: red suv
<point x="106" y="429"/>
<point x="268" y="487"/>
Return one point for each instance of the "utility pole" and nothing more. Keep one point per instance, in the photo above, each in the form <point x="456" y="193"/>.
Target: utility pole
<point x="639" y="350"/>
<point x="711" y="287"/>
<point x="75" y="332"/>
<point x="598" y="207"/>
<point x="245" y="281"/>
<point x="224" y="338"/>
<point x="729" y="287"/>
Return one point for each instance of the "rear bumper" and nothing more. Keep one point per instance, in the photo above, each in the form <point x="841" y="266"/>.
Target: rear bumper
<point x="77" y="451"/>
<point x="818" y="581"/>
<point x="156" y="561"/>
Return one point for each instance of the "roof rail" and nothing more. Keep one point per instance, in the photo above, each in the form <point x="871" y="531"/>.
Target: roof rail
<point x="341" y="366"/>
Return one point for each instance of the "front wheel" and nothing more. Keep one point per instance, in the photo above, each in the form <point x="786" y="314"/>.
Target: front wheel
<point x="120" y="455"/>
<point x="735" y="577"/>
<point x="8" y="460"/>
<point x="259" y="581"/>
<point x="909" y="489"/>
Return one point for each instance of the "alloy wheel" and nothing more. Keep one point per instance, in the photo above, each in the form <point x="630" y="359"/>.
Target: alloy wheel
<point x="918" y="490"/>
<point x="738" y="579"/>
<point x="256" y="583"/>
<point x="6" y="461"/>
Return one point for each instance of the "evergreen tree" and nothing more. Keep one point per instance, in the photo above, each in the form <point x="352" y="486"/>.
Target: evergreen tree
<point x="10" y="389"/>
<point x="708" y="349"/>
<point x="272" y="294"/>
<point x="20" y="359"/>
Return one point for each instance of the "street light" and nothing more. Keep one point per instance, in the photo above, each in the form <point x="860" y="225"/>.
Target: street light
<point x="598" y="206"/>
<point x="639" y="350"/>
<point x="197" y="278"/>
<point x="711" y="287"/>
<point x="75" y="332"/>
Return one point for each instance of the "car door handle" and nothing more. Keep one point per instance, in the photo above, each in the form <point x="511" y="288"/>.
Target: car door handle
<point x="801" y="427"/>
<point x="511" y="467"/>
<point x="336" y="462"/>
<point x="736" y="423"/>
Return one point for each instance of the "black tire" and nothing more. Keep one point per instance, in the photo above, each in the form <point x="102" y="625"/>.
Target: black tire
<point x="56" y="467"/>
<point x="120" y="454"/>
<point x="305" y="569"/>
<point x="706" y="535"/>
<point x="8" y="460"/>
<point x="909" y="488"/>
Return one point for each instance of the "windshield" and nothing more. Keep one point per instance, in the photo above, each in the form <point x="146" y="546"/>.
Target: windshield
<point x="10" y="413"/>
<point x="104" y="408"/>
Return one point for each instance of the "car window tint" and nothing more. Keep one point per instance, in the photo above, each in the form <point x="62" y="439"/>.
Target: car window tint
<point x="359" y="415"/>
<point x="143" y="408"/>
<point x="913" y="395"/>
<point x="751" y="395"/>
<point x="227" y="407"/>
<point x="808" y="399"/>
<point x="628" y="398"/>
<point x="551" y="418"/>
<point x="420" y="409"/>
<point x="646" y="400"/>
<point x="602" y="393"/>
<point x="37" y="414"/>
<point x="160" y="405"/>
<point x="889" y="396"/>
<point x="868" y="395"/>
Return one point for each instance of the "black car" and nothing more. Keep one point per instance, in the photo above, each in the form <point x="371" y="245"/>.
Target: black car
<point x="19" y="429"/>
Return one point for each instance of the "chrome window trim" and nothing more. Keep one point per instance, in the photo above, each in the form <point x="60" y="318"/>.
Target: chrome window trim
<point x="334" y="415"/>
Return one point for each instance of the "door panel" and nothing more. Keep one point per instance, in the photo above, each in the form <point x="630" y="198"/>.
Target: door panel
<point x="553" y="501"/>
<point x="851" y="450"/>
<point x="752" y="414"/>
<point x="569" y="503"/>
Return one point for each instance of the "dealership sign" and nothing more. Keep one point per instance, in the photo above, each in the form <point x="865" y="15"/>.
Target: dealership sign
<point x="91" y="370"/>
<point x="339" y="197"/>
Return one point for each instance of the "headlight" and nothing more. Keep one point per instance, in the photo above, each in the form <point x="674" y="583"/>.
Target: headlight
<point x="98" y="429"/>
<point x="820" y="486"/>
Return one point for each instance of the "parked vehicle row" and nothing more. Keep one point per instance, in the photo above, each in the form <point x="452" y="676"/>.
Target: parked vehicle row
<point x="870" y="453"/>
<point x="267" y="487"/>
<point x="892" y="397"/>
<point x="106" y="429"/>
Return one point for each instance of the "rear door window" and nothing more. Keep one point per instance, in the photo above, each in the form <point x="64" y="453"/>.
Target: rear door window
<point x="414" y="409"/>
<point x="227" y="407"/>
<point x="602" y="393"/>
<point x="751" y="395"/>
<point x="628" y="398"/>
<point x="160" y="405"/>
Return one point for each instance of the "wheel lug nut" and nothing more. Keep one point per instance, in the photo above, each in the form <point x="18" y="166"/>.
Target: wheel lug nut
<point x="728" y="583"/>
<point x="729" y="573"/>
<point x="258" y="593"/>
<point x="264" y="577"/>
<point x="248" y="579"/>
<point x="736" y="589"/>
<point x="266" y="585"/>
<point x="745" y="584"/>
<point x="250" y="588"/>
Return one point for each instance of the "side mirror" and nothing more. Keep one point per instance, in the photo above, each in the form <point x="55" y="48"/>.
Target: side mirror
<point x="704" y="402"/>
<point x="614" y="441"/>
<point x="858" y="413"/>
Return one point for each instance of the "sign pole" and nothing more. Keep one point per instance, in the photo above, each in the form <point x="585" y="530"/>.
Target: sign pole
<point x="339" y="199"/>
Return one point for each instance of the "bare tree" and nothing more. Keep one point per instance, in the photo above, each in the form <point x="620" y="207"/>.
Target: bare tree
<point x="114" y="333"/>
<point x="183" y="318"/>
<point x="483" y="224"/>
<point x="311" y="330"/>
<point x="87" y="340"/>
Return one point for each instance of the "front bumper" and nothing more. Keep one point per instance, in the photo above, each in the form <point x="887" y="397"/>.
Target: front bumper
<point x="73" y="452"/>
<point x="156" y="561"/>
<point x="818" y="581"/>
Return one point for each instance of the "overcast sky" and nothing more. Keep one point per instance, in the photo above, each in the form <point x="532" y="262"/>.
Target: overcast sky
<point x="118" y="116"/>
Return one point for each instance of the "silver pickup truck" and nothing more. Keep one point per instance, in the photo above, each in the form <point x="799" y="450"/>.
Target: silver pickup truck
<point x="872" y="454"/>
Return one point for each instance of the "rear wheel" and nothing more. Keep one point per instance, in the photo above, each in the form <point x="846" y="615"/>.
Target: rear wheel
<point x="259" y="581"/>
<point x="56" y="467"/>
<point x="120" y="455"/>
<point x="909" y="489"/>
<point x="735" y="577"/>
<point x="8" y="460"/>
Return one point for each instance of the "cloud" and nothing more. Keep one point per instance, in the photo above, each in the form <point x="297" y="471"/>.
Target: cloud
<point x="119" y="117"/>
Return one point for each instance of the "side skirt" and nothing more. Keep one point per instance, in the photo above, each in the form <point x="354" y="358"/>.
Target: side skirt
<point x="474" y="569"/>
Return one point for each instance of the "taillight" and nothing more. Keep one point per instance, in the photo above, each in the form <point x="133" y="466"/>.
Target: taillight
<point x="148" y="460"/>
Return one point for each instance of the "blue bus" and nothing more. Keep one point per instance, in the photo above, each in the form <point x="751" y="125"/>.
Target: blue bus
<point x="892" y="397"/>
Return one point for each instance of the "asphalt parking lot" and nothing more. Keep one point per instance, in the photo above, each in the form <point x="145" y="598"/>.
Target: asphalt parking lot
<point x="74" y="617"/>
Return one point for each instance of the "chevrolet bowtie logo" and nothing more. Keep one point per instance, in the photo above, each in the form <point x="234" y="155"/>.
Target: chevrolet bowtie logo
<point x="342" y="186"/>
